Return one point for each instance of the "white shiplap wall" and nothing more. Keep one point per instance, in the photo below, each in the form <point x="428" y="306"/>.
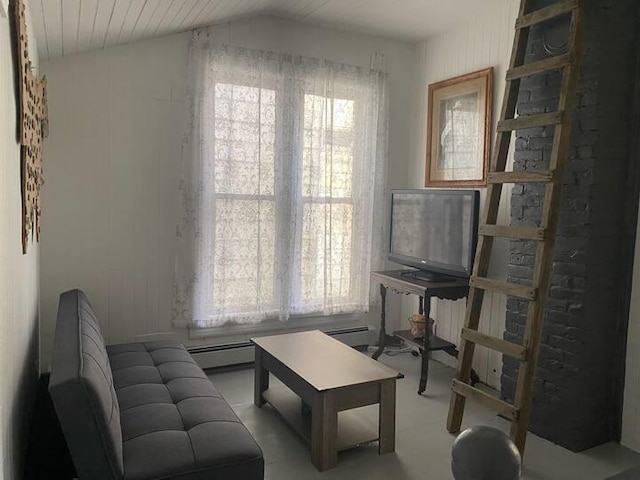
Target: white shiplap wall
<point x="112" y="162"/>
<point x="18" y="280"/>
<point x="481" y="42"/>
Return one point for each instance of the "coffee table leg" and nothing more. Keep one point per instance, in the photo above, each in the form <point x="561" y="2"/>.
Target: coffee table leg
<point x="387" y="419"/>
<point x="324" y="431"/>
<point x="261" y="377"/>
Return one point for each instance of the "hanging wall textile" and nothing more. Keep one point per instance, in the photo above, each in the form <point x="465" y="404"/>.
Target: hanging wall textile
<point x="33" y="127"/>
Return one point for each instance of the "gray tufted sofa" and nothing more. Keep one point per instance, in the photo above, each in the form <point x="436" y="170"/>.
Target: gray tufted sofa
<point x="141" y="410"/>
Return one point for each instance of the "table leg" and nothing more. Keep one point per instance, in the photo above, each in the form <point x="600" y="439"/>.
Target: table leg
<point x="425" y="307"/>
<point x="261" y="377"/>
<point x="383" y="333"/>
<point x="324" y="431"/>
<point x="387" y="417"/>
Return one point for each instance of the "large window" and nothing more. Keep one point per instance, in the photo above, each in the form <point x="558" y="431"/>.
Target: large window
<point x="327" y="201"/>
<point x="245" y="202"/>
<point x="278" y="186"/>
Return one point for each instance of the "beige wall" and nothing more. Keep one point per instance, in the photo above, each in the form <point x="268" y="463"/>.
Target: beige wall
<point x="112" y="165"/>
<point x="18" y="283"/>
<point x="477" y="43"/>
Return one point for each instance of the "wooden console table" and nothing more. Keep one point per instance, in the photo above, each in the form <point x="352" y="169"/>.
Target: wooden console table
<point x="398" y="281"/>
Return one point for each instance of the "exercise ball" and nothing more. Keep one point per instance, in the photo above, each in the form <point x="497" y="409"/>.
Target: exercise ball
<point x="484" y="453"/>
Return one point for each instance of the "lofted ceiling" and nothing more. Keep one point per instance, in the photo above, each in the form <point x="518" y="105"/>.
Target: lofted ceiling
<point x="65" y="27"/>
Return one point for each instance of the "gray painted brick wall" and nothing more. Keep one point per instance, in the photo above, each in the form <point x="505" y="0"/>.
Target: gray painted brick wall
<point x="577" y="389"/>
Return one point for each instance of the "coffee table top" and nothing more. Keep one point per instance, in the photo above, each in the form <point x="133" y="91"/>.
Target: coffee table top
<point x="324" y="362"/>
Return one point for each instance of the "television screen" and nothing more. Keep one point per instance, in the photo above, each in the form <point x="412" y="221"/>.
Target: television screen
<point x="434" y="230"/>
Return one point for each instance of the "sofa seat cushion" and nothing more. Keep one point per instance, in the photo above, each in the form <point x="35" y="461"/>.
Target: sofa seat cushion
<point x="174" y="422"/>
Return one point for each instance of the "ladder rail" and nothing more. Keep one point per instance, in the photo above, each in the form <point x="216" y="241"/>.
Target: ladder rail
<point x="489" y="216"/>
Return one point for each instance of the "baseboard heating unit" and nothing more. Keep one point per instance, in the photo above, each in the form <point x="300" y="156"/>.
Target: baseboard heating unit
<point x="229" y="354"/>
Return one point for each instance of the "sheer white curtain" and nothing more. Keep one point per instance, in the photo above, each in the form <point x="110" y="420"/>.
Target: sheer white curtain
<point x="282" y="172"/>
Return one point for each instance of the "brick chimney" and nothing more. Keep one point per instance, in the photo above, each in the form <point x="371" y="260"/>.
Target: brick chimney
<point x="577" y="400"/>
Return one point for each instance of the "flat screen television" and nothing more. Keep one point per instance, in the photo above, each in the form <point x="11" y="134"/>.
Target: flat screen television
<point x="435" y="231"/>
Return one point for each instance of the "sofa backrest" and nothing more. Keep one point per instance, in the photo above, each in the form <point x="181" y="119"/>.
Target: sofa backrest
<point x="82" y="390"/>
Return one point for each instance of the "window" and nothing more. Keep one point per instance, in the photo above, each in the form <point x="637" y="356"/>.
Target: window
<point x="245" y="202"/>
<point x="327" y="210"/>
<point x="278" y="180"/>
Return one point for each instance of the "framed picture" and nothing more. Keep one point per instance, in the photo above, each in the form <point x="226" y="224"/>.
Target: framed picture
<point x="459" y="130"/>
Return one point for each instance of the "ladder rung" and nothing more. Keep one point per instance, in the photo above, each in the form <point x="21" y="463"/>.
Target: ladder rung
<point x="513" y="289"/>
<point x="489" y="401"/>
<point x="530" y="121"/>
<point x="508" y="348"/>
<point x="507" y="231"/>
<point x="547" y="13"/>
<point x="528" y="176"/>
<point x="540" y="66"/>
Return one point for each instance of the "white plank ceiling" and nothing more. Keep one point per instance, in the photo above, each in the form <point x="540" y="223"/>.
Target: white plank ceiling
<point x="65" y="27"/>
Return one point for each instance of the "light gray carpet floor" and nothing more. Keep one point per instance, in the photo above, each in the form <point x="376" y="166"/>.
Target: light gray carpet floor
<point x="633" y="474"/>
<point x="423" y="446"/>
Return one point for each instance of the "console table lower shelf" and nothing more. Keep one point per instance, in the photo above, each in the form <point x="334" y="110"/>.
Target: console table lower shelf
<point x="435" y="344"/>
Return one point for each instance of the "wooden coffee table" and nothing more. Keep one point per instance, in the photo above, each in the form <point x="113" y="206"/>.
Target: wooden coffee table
<point x="329" y="377"/>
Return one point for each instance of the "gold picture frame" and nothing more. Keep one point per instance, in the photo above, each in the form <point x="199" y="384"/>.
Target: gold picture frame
<point x="459" y="130"/>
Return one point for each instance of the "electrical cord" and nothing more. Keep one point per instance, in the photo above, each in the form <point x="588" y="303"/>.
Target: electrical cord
<point x="392" y="352"/>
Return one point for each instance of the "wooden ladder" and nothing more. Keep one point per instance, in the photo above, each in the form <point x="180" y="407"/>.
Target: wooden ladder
<point x="535" y="294"/>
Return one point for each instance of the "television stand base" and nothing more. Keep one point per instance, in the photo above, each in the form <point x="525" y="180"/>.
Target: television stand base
<point x="428" y="276"/>
<point x="396" y="282"/>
